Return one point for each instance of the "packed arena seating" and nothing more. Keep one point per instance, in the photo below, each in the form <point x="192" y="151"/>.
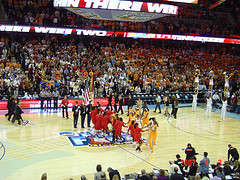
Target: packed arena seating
<point x="165" y="174"/>
<point x="63" y="62"/>
<point x="191" y="19"/>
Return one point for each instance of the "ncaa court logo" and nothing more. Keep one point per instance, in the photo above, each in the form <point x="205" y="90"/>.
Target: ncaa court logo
<point x="2" y="151"/>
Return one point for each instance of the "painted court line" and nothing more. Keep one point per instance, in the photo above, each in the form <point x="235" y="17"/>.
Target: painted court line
<point x="199" y="135"/>
<point x="4" y="150"/>
<point x="139" y="157"/>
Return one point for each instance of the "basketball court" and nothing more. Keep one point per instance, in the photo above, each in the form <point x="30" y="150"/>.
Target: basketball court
<point x="36" y="147"/>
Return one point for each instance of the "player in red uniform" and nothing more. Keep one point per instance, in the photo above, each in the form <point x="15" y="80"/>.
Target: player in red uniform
<point x="93" y="114"/>
<point x="131" y="129"/>
<point x="137" y="137"/>
<point x="108" y="112"/>
<point x="98" y="120"/>
<point x="104" y="122"/>
<point x="118" y="128"/>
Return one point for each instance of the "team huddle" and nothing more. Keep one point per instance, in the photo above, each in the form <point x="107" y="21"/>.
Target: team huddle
<point x="109" y="121"/>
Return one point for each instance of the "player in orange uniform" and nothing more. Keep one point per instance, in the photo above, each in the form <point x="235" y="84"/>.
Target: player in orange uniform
<point x="145" y="118"/>
<point x="152" y="134"/>
<point x="131" y="114"/>
<point x="137" y="111"/>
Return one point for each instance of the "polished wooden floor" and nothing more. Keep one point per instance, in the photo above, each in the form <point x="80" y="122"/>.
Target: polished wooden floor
<point x="34" y="149"/>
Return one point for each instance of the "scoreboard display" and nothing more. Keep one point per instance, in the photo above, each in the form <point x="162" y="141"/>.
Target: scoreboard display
<point x="184" y="1"/>
<point x="120" y="10"/>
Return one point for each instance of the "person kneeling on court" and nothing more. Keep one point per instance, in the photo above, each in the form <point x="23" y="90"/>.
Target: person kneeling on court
<point x="233" y="152"/>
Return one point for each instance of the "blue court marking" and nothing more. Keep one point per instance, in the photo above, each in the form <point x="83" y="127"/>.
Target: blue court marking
<point x="68" y="134"/>
<point x="199" y="135"/>
<point x="4" y="150"/>
<point x="200" y="128"/>
<point x="78" y="141"/>
<point x="138" y="157"/>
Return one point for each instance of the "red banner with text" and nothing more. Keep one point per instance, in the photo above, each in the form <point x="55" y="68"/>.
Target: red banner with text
<point x="29" y="104"/>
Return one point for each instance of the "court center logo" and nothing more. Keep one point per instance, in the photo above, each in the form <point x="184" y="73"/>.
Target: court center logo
<point x="91" y="139"/>
<point x="2" y="151"/>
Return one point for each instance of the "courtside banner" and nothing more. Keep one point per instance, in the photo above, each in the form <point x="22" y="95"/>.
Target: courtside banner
<point x="29" y="104"/>
<point x="103" y="33"/>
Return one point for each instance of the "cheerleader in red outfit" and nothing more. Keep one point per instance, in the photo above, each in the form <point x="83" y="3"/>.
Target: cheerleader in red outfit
<point x="137" y="137"/>
<point x="118" y="128"/>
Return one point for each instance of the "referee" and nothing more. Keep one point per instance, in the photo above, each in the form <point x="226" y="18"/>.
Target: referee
<point x="158" y="103"/>
<point x="233" y="152"/>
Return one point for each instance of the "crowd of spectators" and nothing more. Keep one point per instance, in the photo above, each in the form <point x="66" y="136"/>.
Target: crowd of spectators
<point x="175" y="172"/>
<point x="124" y="67"/>
<point x="42" y="13"/>
<point x="189" y="169"/>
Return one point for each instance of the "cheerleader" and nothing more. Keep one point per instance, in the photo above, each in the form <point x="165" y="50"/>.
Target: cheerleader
<point x="209" y="105"/>
<point x="211" y="82"/>
<point x="226" y="85"/>
<point x="194" y="102"/>
<point x="197" y="78"/>
<point x="152" y="134"/>
<point x="224" y="108"/>
<point x="145" y="118"/>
